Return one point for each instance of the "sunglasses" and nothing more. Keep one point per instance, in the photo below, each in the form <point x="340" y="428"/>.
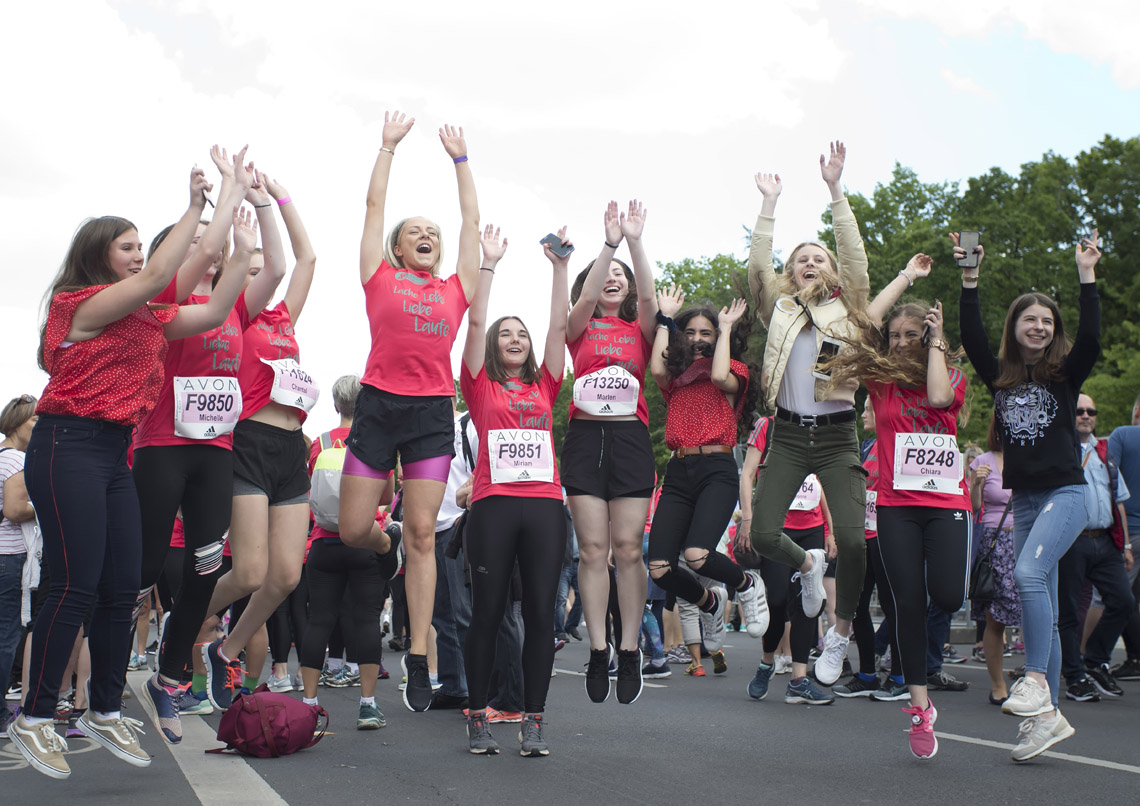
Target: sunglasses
<point x="1089" y="412"/>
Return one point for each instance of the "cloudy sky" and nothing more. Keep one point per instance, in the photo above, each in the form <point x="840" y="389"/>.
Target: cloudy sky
<point x="108" y="104"/>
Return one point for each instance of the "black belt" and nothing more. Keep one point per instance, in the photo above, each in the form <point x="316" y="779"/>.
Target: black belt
<point x="1094" y="533"/>
<point x="816" y="419"/>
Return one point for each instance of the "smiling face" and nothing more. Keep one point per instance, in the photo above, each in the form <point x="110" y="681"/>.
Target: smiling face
<point x="809" y="263"/>
<point x="701" y="336"/>
<point x="616" y="288"/>
<point x="514" y="345"/>
<point x="904" y="333"/>
<point x="417" y="245"/>
<point x="1033" y="331"/>
<point x="125" y="255"/>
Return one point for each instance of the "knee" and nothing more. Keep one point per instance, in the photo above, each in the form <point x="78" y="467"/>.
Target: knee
<point x="248" y="577"/>
<point x="659" y="568"/>
<point x="590" y="555"/>
<point x="695" y="558"/>
<point x="628" y="554"/>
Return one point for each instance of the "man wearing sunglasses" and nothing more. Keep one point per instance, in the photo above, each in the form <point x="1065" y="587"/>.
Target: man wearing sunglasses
<point x="1095" y="557"/>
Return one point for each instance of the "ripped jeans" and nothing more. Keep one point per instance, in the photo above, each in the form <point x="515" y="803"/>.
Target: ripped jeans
<point x="1045" y="524"/>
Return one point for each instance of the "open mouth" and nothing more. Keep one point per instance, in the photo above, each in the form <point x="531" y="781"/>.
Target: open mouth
<point x="612" y="289"/>
<point x="424" y="248"/>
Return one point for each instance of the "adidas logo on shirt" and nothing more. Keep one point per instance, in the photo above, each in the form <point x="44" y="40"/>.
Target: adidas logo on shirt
<point x="210" y="432"/>
<point x="523" y="476"/>
<point x="930" y="485"/>
<point x="300" y="401"/>
<point x="605" y="409"/>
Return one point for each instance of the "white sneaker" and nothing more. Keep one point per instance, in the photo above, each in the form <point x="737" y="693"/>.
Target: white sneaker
<point x="41" y="746"/>
<point x="830" y="663"/>
<point x="1027" y="697"/>
<point x="754" y="603"/>
<point x="118" y="735"/>
<point x="712" y="624"/>
<point x="811" y="584"/>
<point x="280" y="685"/>
<point x="1037" y="734"/>
<point x="783" y="664"/>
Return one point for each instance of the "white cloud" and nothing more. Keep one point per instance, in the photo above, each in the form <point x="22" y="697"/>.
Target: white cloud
<point x="964" y="84"/>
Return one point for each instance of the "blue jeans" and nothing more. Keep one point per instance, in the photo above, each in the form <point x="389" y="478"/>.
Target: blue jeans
<point x="1045" y="524"/>
<point x="11" y="631"/>
<point x="451" y="617"/>
<point x="569" y="580"/>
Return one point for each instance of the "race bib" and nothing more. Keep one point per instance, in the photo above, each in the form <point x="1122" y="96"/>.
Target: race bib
<point x="520" y="454"/>
<point x="292" y="386"/>
<point x="929" y="463"/>
<point x="608" y="392"/>
<point x="871" y="521"/>
<point x="206" y="407"/>
<point x="808" y="496"/>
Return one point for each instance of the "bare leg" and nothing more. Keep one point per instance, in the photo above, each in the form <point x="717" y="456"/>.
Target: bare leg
<point x="422" y="498"/>
<point x="992" y="643"/>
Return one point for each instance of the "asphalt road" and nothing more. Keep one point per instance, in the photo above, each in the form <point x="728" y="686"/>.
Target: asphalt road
<point x="686" y="740"/>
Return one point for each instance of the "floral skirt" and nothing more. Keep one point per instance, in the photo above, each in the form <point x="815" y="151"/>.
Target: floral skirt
<point x="1006" y="606"/>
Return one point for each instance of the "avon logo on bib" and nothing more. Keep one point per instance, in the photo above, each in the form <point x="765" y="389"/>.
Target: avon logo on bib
<point x="292" y="386"/>
<point x="608" y="392"/>
<point x="520" y="454"/>
<point x="206" y="407"/>
<point x="928" y="462"/>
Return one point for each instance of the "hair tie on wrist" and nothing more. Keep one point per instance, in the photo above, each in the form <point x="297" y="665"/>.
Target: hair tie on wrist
<point x="259" y="206"/>
<point x="284" y="201"/>
<point x="458" y="160"/>
<point x="486" y="268"/>
<point x="613" y="246"/>
<point x="389" y="150"/>
<point x="667" y="321"/>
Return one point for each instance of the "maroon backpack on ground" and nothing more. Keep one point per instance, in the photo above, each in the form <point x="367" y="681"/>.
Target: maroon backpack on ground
<point x="268" y="725"/>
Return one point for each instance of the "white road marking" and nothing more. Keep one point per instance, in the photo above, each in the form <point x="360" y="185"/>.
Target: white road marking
<point x="217" y="780"/>
<point x="1092" y="762"/>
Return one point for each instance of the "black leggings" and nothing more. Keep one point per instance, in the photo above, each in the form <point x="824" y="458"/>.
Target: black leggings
<point x="331" y="568"/>
<point x="287" y="624"/>
<point x="784" y="601"/>
<point x="500" y="531"/>
<point x="925" y="551"/>
<point x="696" y="504"/>
<point x="199" y="478"/>
<point x="862" y="626"/>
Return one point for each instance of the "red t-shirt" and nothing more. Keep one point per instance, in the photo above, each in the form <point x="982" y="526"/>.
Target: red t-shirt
<point x="797" y="518"/>
<point x="514" y="422"/>
<point x="414" y="319"/>
<point x="269" y="337"/>
<point x="116" y="376"/>
<point x="871" y="465"/>
<point x="214" y="354"/>
<point x="698" y="412"/>
<point x="929" y="450"/>
<point x="612" y="341"/>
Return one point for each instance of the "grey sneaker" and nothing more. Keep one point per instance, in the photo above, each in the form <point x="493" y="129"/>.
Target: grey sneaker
<point x="117" y="734"/>
<point x="530" y="737"/>
<point x="811" y="584"/>
<point x="890" y="691"/>
<point x="754" y="603"/>
<point x="1027" y="697"/>
<point x="712" y="624"/>
<point x="805" y="692"/>
<point x="857" y="687"/>
<point x="40" y="746"/>
<point x="479" y="738"/>
<point x="370" y="718"/>
<point x="162" y="708"/>
<point x="1037" y="734"/>
<point x="280" y="685"/>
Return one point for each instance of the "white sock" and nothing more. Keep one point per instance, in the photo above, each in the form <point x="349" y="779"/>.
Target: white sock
<point x="433" y="678"/>
<point x="110" y="714"/>
<point x="368" y="701"/>
<point x="36" y="720"/>
<point x="353" y="667"/>
<point x="308" y="701"/>
<point x="335" y="664"/>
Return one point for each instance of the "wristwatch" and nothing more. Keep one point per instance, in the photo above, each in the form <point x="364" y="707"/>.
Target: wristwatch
<point x="939" y="344"/>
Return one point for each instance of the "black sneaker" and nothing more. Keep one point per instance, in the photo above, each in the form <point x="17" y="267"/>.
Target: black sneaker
<point x="856" y="687"/>
<point x="447" y="702"/>
<point x="391" y="561"/>
<point x="941" y="681"/>
<point x="573" y="633"/>
<point x="417" y="693"/>
<point x="479" y="738"/>
<point x="1129" y="670"/>
<point x="628" y="675"/>
<point x="1082" y="691"/>
<point x="598" y="674"/>
<point x="1102" y="678"/>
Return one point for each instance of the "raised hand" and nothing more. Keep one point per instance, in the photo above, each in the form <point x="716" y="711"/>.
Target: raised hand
<point x="243" y="174"/>
<point x="453" y="142"/>
<point x="670" y="300"/>
<point x="1088" y="251"/>
<point x="257" y="193"/>
<point x="832" y="168"/>
<point x="921" y="265"/>
<point x="493" y="248"/>
<point x="769" y="185"/>
<point x="633" y="222"/>
<point x="245" y="230"/>
<point x="222" y="161"/>
<point x="198" y="187"/>
<point x="551" y="256"/>
<point x="730" y="314"/>
<point x="275" y="188"/>
<point x="960" y="254"/>
<point x="613" y="224"/>
<point x="933" y="321"/>
<point x="396" y="126"/>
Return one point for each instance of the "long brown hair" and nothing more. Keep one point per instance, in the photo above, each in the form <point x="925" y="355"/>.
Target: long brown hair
<point x="993" y="438"/>
<point x="493" y="361"/>
<point x="85" y="264"/>
<point x="1012" y="368"/>
<point x="628" y="309"/>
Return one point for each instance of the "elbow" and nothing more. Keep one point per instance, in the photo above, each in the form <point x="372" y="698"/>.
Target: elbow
<point x="941" y="402"/>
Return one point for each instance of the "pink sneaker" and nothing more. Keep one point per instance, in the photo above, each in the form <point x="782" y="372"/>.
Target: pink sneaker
<point x="923" y="742"/>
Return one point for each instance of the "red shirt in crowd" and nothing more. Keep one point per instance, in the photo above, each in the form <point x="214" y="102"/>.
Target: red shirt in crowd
<point x="414" y="319"/>
<point x="699" y="413"/>
<point x="270" y="337"/>
<point x="116" y="376"/>
<point x="871" y="465"/>
<point x="612" y="341"/>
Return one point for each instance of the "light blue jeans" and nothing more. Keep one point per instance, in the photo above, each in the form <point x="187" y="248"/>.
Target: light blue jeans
<point x="1045" y="524"/>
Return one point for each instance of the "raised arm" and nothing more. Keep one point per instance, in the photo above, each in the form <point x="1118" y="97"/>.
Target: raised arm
<point x="918" y="266"/>
<point x="938" y="389"/>
<point x="303" y="253"/>
<point x="194" y="269"/>
<point x="193" y="319"/>
<point x="1086" y="343"/>
<point x="583" y="309"/>
<point x="475" y="348"/>
<point x="125" y="296"/>
<point x="669" y="301"/>
<point x="762" y="280"/>
<point x="554" y="356"/>
<point x="396" y="126"/>
<point x="853" y="266"/>
<point x="632" y="226"/>
<point x="972" y="328"/>
<point x="721" y="374"/>
<point x="467" y="266"/>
